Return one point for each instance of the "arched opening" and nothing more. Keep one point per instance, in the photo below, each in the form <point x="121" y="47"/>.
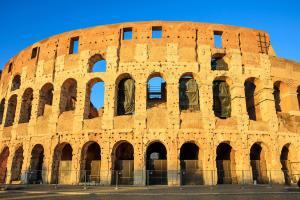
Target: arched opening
<point x="225" y="164"/>
<point x="190" y="164"/>
<point x="68" y="95"/>
<point x="26" y="106"/>
<point x="156" y="90"/>
<point x="126" y="95"/>
<point x="276" y="94"/>
<point x="62" y="164"/>
<point x="123" y="166"/>
<point x="252" y="99"/>
<point x="285" y="163"/>
<point x="36" y="165"/>
<point x="258" y="164"/>
<point x="298" y="96"/>
<point x="45" y="100"/>
<point x="218" y="62"/>
<point x="97" y="63"/>
<point x="3" y="164"/>
<point x="188" y="93"/>
<point x="94" y="99"/>
<point x="90" y="164"/>
<point x="221" y="99"/>
<point x="11" y="111"/>
<point x="16" y="83"/>
<point x="16" y="167"/>
<point x="2" y="104"/>
<point x="156" y="164"/>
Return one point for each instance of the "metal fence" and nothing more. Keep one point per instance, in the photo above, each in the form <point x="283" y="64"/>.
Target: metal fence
<point x="152" y="177"/>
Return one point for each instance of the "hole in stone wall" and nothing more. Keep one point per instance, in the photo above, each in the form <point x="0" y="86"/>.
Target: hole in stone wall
<point x="277" y="94"/>
<point x="258" y="164"/>
<point x="16" y="167"/>
<point x="188" y="93"/>
<point x="298" y="96"/>
<point x="10" y="67"/>
<point x="224" y="162"/>
<point x="218" y="39"/>
<point x="156" y="32"/>
<point x="221" y="99"/>
<point x="218" y="62"/>
<point x="127" y="33"/>
<point x="11" y="111"/>
<point x="90" y="162"/>
<point x="34" y="52"/>
<point x="125" y="96"/>
<point x="45" y="100"/>
<point x="2" y="104"/>
<point x="156" y="90"/>
<point x="36" y="165"/>
<point x="252" y="100"/>
<point x="16" y="83"/>
<point x="26" y="106"/>
<point x="97" y="64"/>
<point x="3" y="164"/>
<point x="68" y="96"/>
<point x="95" y="99"/>
<point x="74" y="43"/>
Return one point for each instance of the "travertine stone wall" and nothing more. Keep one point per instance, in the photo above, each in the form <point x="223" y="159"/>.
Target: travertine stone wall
<point x="185" y="47"/>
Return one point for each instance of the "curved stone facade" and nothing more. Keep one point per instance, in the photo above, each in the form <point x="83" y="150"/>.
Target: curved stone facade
<point x="237" y="121"/>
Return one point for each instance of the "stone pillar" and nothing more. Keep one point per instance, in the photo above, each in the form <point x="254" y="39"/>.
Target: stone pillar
<point x="105" y="174"/>
<point x="173" y="104"/>
<point x="79" y="107"/>
<point x="172" y="159"/>
<point x="109" y="106"/>
<point x="139" y="161"/>
<point x="75" y="170"/>
<point x="140" y="114"/>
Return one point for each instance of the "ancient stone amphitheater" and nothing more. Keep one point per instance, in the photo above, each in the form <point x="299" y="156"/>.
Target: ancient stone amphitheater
<point x="225" y="111"/>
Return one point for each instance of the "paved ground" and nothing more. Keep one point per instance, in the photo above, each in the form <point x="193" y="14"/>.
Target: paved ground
<point x="231" y="192"/>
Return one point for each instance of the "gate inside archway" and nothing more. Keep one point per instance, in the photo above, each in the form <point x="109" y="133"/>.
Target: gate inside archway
<point x="16" y="167"/>
<point x="90" y="163"/>
<point x="62" y="164"/>
<point x="258" y="164"/>
<point x="156" y="164"/>
<point x="123" y="164"/>
<point x="35" y="174"/>
<point x="225" y="164"/>
<point x="286" y="165"/>
<point x="190" y="165"/>
<point x="3" y="164"/>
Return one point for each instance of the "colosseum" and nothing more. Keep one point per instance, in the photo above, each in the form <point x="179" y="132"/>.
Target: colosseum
<point x="224" y="108"/>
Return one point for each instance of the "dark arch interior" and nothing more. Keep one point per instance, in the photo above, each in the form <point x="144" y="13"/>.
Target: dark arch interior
<point x="156" y="164"/>
<point x="46" y="98"/>
<point x="189" y="151"/>
<point x="91" y="162"/>
<point x="156" y="151"/>
<point x="250" y="102"/>
<point x="255" y="152"/>
<point x="123" y="163"/>
<point x="2" y="110"/>
<point x="224" y="163"/>
<point x="126" y="97"/>
<point x="11" y="111"/>
<point x="188" y="93"/>
<point x="16" y="83"/>
<point x="66" y="153"/>
<point x="3" y="164"/>
<point x="285" y="164"/>
<point x="26" y="106"/>
<point x="258" y="164"/>
<point x="298" y="96"/>
<point x="224" y="151"/>
<point x="17" y="165"/>
<point x="36" y="164"/>
<point x="68" y="96"/>
<point x="276" y="94"/>
<point x="221" y="99"/>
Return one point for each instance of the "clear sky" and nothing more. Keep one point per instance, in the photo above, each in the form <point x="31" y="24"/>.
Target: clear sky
<point x="23" y="22"/>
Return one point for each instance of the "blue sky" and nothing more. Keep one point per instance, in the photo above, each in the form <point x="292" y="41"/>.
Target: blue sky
<point x="25" y="22"/>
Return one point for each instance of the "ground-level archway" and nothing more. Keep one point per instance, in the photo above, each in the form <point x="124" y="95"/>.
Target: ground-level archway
<point x="16" y="167"/>
<point x="156" y="164"/>
<point x="90" y="164"/>
<point x="258" y="163"/>
<point x="123" y="163"/>
<point x="36" y="165"/>
<point x="285" y="163"/>
<point x="3" y="164"/>
<point x="62" y="164"/>
<point x="190" y="164"/>
<point x="225" y="162"/>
